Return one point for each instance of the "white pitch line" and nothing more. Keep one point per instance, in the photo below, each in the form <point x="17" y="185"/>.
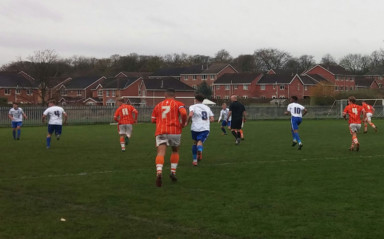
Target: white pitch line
<point x="59" y="175"/>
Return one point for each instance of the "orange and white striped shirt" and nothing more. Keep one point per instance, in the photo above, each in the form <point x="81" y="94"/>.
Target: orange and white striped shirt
<point x="123" y="114"/>
<point x="354" y="111"/>
<point x="166" y="115"/>
<point x="368" y="108"/>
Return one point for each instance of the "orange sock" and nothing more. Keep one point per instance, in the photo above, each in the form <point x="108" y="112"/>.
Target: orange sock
<point x="354" y="139"/>
<point x="371" y="124"/>
<point x="159" y="164"/>
<point x="241" y="134"/>
<point x="174" y="161"/>
<point x="122" y="142"/>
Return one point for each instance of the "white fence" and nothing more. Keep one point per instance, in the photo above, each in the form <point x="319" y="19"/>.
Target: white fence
<point x="104" y="114"/>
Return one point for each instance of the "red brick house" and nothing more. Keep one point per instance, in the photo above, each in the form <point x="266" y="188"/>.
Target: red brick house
<point x="77" y="90"/>
<point x="18" y="87"/>
<point x="109" y="89"/>
<point x="195" y="75"/>
<point x="151" y="91"/>
<point x="242" y="84"/>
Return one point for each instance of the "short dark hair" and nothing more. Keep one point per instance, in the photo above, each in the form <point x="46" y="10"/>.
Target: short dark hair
<point x="170" y="92"/>
<point x="352" y="99"/>
<point x="52" y="101"/>
<point x="294" y="98"/>
<point x="199" y="97"/>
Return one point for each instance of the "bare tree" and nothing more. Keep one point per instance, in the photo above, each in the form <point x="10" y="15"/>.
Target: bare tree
<point x="356" y="63"/>
<point x="328" y="60"/>
<point x="246" y="63"/>
<point x="271" y="58"/>
<point x="223" y="56"/>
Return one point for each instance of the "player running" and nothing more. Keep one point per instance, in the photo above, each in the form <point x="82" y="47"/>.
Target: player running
<point x="55" y="124"/>
<point x="238" y="113"/>
<point x="297" y="112"/>
<point x="167" y="115"/>
<point x="16" y="116"/>
<point x="368" y="112"/>
<point x="201" y="116"/>
<point x="354" y="112"/>
<point x="126" y="115"/>
<point x="225" y="122"/>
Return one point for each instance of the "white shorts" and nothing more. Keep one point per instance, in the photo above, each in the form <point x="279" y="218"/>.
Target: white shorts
<point x="354" y="128"/>
<point x="169" y="139"/>
<point x="125" y="129"/>
<point x="368" y="116"/>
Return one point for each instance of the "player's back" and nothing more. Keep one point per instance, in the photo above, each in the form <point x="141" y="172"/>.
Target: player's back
<point x="166" y="114"/>
<point x="200" y="118"/>
<point x="124" y="112"/>
<point x="354" y="112"/>
<point x="368" y="108"/>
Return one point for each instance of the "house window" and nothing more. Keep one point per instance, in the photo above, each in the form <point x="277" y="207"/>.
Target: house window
<point x="235" y="87"/>
<point x="274" y="86"/>
<point x="282" y="87"/>
<point x="113" y="93"/>
<point x="29" y="91"/>
<point x="107" y="93"/>
<point x="7" y="91"/>
<point x="336" y="88"/>
<point x="305" y="87"/>
<point x="274" y="97"/>
<point x="63" y="91"/>
<point x="110" y="103"/>
<point x="100" y="93"/>
<point x="227" y="87"/>
<point x="185" y="77"/>
<point x="194" y="86"/>
<point x="217" y="87"/>
<point x="79" y="93"/>
<point x="226" y="97"/>
<point x="194" y="77"/>
<point x="218" y="97"/>
<point x="262" y="87"/>
<point x="298" y="87"/>
<point x="212" y="77"/>
<point x="245" y="87"/>
<point x="17" y="91"/>
<point x="204" y="77"/>
<point x="245" y="96"/>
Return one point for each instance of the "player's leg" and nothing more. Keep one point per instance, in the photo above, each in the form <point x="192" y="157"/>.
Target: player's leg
<point x="365" y="124"/>
<point x="14" y="126"/>
<point x="18" y="128"/>
<point x="223" y="125"/>
<point x="174" y="142"/>
<point x="194" y="153"/>
<point x="161" y="149"/>
<point x="51" y="129"/>
<point x="369" y="120"/>
<point x="128" y="134"/>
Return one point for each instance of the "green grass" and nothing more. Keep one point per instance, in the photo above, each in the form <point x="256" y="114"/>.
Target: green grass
<point x="263" y="188"/>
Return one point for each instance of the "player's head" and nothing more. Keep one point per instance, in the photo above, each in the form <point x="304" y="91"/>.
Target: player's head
<point x="352" y="99"/>
<point x="199" y="98"/>
<point x="363" y="102"/>
<point x="224" y="105"/>
<point x="15" y="105"/>
<point x="294" y="98"/>
<point x="51" y="102"/>
<point x="233" y="98"/>
<point x="170" y="93"/>
<point x="120" y="100"/>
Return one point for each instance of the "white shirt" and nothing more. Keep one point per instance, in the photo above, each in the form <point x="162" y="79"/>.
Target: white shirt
<point x="295" y="109"/>
<point x="55" y="114"/>
<point x="200" y="118"/>
<point x="224" y="114"/>
<point x="16" y="114"/>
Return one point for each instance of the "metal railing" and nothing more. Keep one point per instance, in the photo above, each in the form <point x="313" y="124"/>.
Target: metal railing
<point x="104" y="114"/>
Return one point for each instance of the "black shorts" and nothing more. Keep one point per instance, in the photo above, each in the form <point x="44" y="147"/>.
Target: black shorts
<point x="236" y="123"/>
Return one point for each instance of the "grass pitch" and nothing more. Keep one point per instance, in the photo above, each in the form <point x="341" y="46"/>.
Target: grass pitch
<point x="262" y="188"/>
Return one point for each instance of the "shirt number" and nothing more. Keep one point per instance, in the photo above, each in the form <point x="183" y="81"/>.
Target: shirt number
<point x="354" y="110"/>
<point x="166" y="110"/>
<point x="125" y="111"/>
<point x="297" y="110"/>
<point x="204" y="115"/>
<point x="57" y="113"/>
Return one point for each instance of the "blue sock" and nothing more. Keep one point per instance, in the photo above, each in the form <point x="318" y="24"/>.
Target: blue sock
<point x="18" y="133"/>
<point x="200" y="148"/>
<point x="48" y="141"/>
<point x="194" y="151"/>
<point x="223" y="129"/>
<point x="14" y="134"/>
<point x="296" y="135"/>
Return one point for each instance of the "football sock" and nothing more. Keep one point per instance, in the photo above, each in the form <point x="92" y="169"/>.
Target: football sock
<point x="159" y="164"/>
<point x="234" y="134"/>
<point x="371" y="124"/>
<point x="48" y="141"/>
<point x="238" y="135"/>
<point x="296" y="136"/>
<point x="122" y="142"/>
<point x="200" y="148"/>
<point x="241" y="134"/>
<point x="223" y="129"/>
<point x="365" y="126"/>
<point x="174" y="161"/>
<point x="14" y="134"/>
<point x="18" y="133"/>
<point x="194" y="151"/>
<point x="354" y="139"/>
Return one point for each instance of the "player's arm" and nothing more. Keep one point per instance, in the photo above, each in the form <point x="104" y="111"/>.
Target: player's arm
<point x="345" y="114"/>
<point x="244" y="115"/>
<point x="183" y="115"/>
<point x="116" y="116"/>
<point x="305" y="111"/>
<point x="65" y="117"/>
<point x="43" y="118"/>
<point x="136" y="115"/>
<point x="229" y="115"/>
<point x="10" y="116"/>
<point x="220" y="116"/>
<point x="25" y="116"/>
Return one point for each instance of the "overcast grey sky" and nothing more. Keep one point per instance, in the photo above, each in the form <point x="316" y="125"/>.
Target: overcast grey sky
<point x="99" y="28"/>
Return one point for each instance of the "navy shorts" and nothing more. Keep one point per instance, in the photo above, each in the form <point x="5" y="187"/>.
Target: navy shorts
<point x="200" y="136"/>
<point x="54" y="128"/>
<point x="225" y="123"/>
<point x="16" y="124"/>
